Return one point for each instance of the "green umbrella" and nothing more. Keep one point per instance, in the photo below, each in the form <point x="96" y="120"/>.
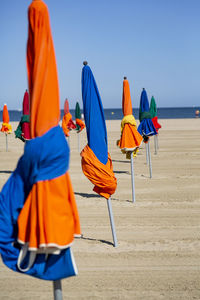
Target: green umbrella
<point x="77" y="115"/>
<point x="153" y="108"/>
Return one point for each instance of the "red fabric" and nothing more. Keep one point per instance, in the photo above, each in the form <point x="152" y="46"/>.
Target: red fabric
<point x="66" y="107"/>
<point x="156" y="124"/>
<point x="26" y="111"/>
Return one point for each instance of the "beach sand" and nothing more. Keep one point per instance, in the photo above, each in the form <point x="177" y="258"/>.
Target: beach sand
<point x="158" y="256"/>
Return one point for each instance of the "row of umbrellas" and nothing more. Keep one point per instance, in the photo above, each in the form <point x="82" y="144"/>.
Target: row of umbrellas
<point x="38" y="213"/>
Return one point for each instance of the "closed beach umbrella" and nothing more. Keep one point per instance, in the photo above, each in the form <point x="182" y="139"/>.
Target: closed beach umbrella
<point x="130" y="138"/>
<point x="79" y="123"/>
<point x="154" y="117"/>
<point x="96" y="161"/>
<point x="38" y="212"/>
<point x="6" y="127"/>
<point x="67" y="122"/>
<point x="23" y="130"/>
<point x="146" y="127"/>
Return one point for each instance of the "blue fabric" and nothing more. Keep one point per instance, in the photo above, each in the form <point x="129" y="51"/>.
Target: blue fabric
<point x="94" y="116"/>
<point x="44" y="158"/>
<point x="146" y="127"/>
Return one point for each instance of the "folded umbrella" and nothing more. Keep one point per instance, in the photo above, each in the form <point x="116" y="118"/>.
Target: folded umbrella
<point x="23" y="129"/>
<point x="6" y="127"/>
<point x="130" y="138"/>
<point x="154" y="117"/>
<point x="67" y="122"/>
<point x="96" y="161"/>
<point x="79" y="123"/>
<point x="146" y="127"/>
<point x="38" y="212"/>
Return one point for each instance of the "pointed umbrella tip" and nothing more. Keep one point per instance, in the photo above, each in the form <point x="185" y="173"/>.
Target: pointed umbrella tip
<point x="5" y="103"/>
<point x="125" y="77"/>
<point x="85" y="63"/>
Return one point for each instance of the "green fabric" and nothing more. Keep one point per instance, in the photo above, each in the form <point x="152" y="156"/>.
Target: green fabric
<point x="18" y="131"/>
<point x="77" y="111"/>
<point x="144" y="115"/>
<point x="153" y="108"/>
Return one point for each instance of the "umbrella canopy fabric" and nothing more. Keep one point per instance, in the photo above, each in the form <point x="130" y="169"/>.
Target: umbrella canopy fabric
<point x="38" y="212"/>
<point x="67" y="122"/>
<point x="6" y="127"/>
<point x="130" y="138"/>
<point x="146" y="127"/>
<point x="96" y="161"/>
<point x="153" y="112"/>
<point x="79" y="123"/>
<point x="23" y="130"/>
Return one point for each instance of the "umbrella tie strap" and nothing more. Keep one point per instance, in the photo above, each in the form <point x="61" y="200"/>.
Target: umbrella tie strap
<point x="22" y="255"/>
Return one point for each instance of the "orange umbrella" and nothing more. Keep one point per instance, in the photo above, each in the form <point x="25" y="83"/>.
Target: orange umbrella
<point x="6" y="127"/>
<point x="130" y="138"/>
<point x="38" y="211"/>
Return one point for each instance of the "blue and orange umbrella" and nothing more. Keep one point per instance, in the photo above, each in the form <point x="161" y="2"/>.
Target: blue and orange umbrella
<point x="38" y="212"/>
<point x="96" y="161"/>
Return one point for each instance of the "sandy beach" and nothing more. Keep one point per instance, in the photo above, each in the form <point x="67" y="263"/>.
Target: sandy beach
<point x="158" y="256"/>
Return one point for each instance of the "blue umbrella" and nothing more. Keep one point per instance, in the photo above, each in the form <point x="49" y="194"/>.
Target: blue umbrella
<point x="96" y="161"/>
<point x="94" y="116"/>
<point x="146" y="127"/>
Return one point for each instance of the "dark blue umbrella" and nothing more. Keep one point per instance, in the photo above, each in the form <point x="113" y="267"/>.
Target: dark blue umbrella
<point x="146" y="127"/>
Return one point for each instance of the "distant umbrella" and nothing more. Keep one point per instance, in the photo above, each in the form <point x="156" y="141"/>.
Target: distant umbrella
<point x="38" y="213"/>
<point x="6" y="127"/>
<point x="67" y="122"/>
<point x="146" y="127"/>
<point x="154" y="117"/>
<point x="23" y="130"/>
<point x="79" y="123"/>
<point x="96" y="161"/>
<point x="130" y="138"/>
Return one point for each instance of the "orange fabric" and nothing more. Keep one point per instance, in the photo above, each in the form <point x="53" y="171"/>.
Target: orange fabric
<point x="130" y="138"/>
<point x="66" y="118"/>
<point x="42" y="71"/>
<point x="49" y="215"/>
<point x="102" y="176"/>
<point x="126" y="99"/>
<point x="6" y="127"/>
<point x="55" y="221"/>
<point x="81" y="124"/>
<point x="6" y="118"/>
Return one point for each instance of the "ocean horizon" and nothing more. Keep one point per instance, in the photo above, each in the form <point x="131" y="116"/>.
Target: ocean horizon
<point x="116" y="113"/>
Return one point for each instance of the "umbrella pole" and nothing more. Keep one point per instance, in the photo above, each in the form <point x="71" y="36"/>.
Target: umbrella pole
<point x="6" y="142"/>
<point x="132" y="178"/>
<point x="57" y="290"/>
<point x="155" y="143"/>
<point x="112" y="222"/>
<point x="78" y="142"/>
<point x="149" y="153"/>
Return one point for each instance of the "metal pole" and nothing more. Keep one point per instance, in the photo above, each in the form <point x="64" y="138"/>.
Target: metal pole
<point x="112" y="222"/>
<point x="132" y="178"/>
<point x="78" y="142"/>
<point x="6" y="142"/>
<point x="150" y="167"/>
<point x="57" y="290"/>
<point x="155" y="143"/>
<point x="147" y="155"/>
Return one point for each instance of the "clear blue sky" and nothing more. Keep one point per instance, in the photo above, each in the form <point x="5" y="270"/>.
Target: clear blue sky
<point x="155" y="43"/>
